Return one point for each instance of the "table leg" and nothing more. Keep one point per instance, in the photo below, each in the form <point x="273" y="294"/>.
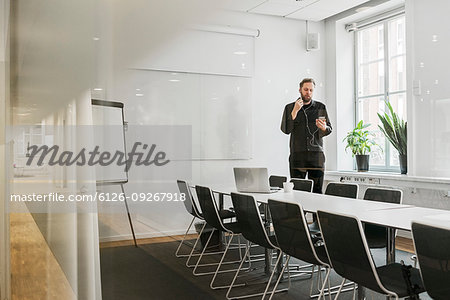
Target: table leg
<point x="390" y="251"/>
<point x="221" y="233"/>
<point x="361" y="292"/>
<point x="267" y="258"/>
<point x="267" y="261"/>
<point x="220" y="201"/>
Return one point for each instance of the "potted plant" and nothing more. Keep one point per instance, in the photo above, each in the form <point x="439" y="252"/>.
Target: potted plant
<point x="394" y="129"/>
<point x="360" y="141"/>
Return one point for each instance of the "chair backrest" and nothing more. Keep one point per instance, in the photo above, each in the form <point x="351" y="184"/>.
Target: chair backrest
<point x="209" y="207"/>
<point x="347" y="249"/>
<point x="249" y="219"/>
<point x="277" y="181"/>
<point x="432" y="246"/>
<point x="384" y="195"/>
<point x="381" y="195"/>
<point x="291" y="230"/>
<point x="189" y="202"/>
<point x="305" y="185"/>
<point x="348" y="190"/>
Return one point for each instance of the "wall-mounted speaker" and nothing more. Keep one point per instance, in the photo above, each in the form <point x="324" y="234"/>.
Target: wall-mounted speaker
<point x="313" y="42"/>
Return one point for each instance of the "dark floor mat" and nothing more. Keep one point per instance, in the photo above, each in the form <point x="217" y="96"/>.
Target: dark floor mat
<point x="132" y="273"/>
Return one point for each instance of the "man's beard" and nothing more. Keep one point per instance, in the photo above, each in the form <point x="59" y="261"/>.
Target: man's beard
<point x="306" y="100"/>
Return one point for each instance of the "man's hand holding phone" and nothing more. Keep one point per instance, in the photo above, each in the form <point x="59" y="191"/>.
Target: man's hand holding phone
<point x="321" y="123"/>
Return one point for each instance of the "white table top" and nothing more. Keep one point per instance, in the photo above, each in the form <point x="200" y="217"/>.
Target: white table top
<point x="387" y="214"/>
<point x="402" y="218"/>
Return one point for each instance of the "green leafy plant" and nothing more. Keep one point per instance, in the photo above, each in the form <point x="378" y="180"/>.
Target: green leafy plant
<point x="360" y="140"/>
<point x="394" y="129"/>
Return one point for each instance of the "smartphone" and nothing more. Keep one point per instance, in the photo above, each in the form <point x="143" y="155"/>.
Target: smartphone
<point x="322" y="118"/>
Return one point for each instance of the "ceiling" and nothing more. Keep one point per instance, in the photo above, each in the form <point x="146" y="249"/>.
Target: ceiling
<point x="312" y="10"/>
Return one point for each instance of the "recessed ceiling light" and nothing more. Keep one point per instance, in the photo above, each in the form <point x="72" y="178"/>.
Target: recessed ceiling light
<point x="360" y="9"/>
<point x="96" y="38"/>
<point x="139" y="95"/>
<point x="98" y="89"/>
<point x="240" y="52"/>
<point x="174" y="80"/>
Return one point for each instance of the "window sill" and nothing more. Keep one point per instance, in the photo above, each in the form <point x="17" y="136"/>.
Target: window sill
<point x="380" y="178"/>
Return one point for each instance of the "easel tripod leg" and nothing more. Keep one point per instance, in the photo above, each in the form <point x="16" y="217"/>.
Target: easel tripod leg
<point x="129" y="216"/>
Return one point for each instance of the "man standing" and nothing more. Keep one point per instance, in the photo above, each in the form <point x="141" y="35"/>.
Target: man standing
<point x="306" y="120"/>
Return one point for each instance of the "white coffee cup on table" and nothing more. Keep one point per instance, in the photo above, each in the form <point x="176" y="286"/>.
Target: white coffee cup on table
<point x="288" y="187"/>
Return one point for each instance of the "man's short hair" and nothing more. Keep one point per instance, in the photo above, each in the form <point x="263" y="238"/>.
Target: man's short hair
<point x="305" y="80"/>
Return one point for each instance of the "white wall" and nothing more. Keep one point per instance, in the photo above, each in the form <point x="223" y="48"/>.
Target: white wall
<point x="281" y="61"/>
<point x="428" y="66"/>
<point x="340" y="90"/>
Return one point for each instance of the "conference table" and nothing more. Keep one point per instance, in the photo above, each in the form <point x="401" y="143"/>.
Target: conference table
<point x="392" y="216"/>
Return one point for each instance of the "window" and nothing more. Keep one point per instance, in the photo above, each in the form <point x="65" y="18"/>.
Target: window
<point x="381" y="75"/>
<point x="28" y="136"/>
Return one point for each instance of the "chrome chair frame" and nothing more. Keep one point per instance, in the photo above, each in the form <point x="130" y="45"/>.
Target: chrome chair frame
<point x="211" y="215"/>
<point x="309" y="255"/>
<point x="244" y="217"/>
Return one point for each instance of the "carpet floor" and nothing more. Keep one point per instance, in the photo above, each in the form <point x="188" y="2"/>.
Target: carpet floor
<point x="153" y="272"/>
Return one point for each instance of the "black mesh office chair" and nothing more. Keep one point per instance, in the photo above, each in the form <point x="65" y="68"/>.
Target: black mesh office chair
<point x="339" y="189"/>
<point x="294" y="239"/>
<point x="274" y="181"/>
<point x="305" y="185"/>
<point x="352" y="259"/>
<point x="193" y="210"/>
<point x="348" y="190"/>
<point x="377" y="235"/>
<point x="212" y="217"/>
<point x="253" y="229"/>
<point x="432" y="246"/>
<point x="277" y="181"/>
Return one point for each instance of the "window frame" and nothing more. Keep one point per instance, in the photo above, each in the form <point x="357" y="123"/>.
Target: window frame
<point x="388" y="167"/>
